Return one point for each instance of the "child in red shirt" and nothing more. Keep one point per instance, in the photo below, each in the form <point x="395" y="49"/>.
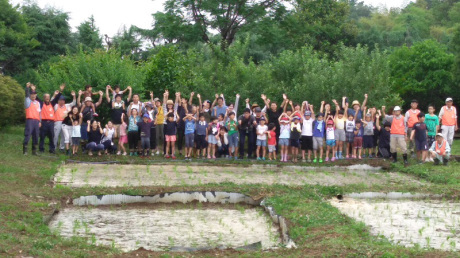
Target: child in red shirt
<point x="271" y="141"/>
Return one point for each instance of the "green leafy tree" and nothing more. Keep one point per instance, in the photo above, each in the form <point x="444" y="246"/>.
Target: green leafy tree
<point x="127" y="42"/>
<point x="16" y="40"/>
<point x="12" y="94"/>
<point x="88" y="35"/>
<point x="51" y="28"/>
<point x="227" y="17"/>
<point x="423" y="71"/>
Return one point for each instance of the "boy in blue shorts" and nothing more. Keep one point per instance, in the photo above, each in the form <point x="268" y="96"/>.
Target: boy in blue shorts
<point x="419" y="134"/>
<point x="285" y="135"/>
<point x="319" y="128"/>
<point x="189" y="131"/>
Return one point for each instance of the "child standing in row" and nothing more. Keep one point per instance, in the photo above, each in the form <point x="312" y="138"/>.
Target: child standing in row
<point x="358" y="140"/>
<point x="296" y="130"/>
<point x="213" y="130"/>
<point x="232" y="127"/>
<point x="419" y="135"/>
<point x="145" y="126"/>
<point x="261" y="139"/>
<point x="76" y="133"/>
<point x="330" y="139"/>
<point x="170" y="130"/>
<point x="133" y="131"/>
<point x="189" y="120"/>
<point x="307" y="133"/>
<point x="271" y="141"/>
<point x="319" y="128"/>
<point x="285" y="134"/>
<point x="339" y="122"/>
<point x="201" y="131"/>
<point x="368" y="137"/>
<point x="350" y="131"/>
<point x="123" y="136"/>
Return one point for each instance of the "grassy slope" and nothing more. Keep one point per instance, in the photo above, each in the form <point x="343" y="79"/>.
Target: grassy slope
<point x="26" y="191"/>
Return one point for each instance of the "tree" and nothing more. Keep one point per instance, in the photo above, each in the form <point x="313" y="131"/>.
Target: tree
<point x="423" y="71"/>
<point x="15" y="39"/>
<point x="227" y="17"/>
<point x="51" y="28"/>
<point x="127" y="42"/>
<point x="88" y="35"/>
<point x="12" y="94"/>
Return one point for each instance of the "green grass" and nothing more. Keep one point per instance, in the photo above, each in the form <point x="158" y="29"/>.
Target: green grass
<point x="316" y="227"/>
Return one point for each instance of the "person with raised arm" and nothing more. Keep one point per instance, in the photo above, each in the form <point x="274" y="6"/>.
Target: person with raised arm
<point x="48" y="121"/>
<point x="398" y="136"/>
<point x="33" y="117"/>
<point x="61" y="130"/>
<point x="355" y="107"/>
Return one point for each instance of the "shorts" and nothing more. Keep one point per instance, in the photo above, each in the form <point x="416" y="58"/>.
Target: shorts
<point x="233" y="140"/>
<point x="212" y="139"/>
<point x="295" y="143"/>
<point x="340" y="135"/>
<point x="170" y="138"/>
<point x="358" y="142"/>
<point x="421" y="145"/>
<point x="284" y="142"/>
<point x="201" y="142"/>
<point x="76" y="141"/>
<point x="330" y="143"/>
<point x="271" y="148"/>
<point x="261" y="143"/>
<point x="430" y="140"/>
<point x="306" y="143"/>
<point x="317" y="142"/>
<point x="123" y="139"/>
<point x="350" y="136"/>
<point x="189" y="140"/>
<point x="368" y="141"/>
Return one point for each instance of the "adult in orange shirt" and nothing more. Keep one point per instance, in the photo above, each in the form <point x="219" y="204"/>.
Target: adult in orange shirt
<point x="62" y="130"/>
<point x="33" y="117"/>
<point x="398" y="132"/>
<point x="448" y="119"/>
<point x="47" y="121"/>
<point x="410" y="119"/>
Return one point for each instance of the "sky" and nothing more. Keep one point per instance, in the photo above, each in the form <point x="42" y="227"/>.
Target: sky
<point x="111" y="15"/>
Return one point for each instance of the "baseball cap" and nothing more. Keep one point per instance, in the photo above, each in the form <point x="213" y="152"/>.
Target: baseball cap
<point x="397" y="108"/>
<point x="330" y="122"/>
<point x="33" y="92"/>
<point x="88" y="99"/>
<point x="368" y="115"/>
<point x="156" y="99"/>
<point x="262" y="119"/>
<point x="61" y="98"/>
<point x="449" y="99"/>
<point x="440" y="134"/>
<point x="146" y="115"/>
<point x="307" y="113"/>
<point x="258" y="109"/>
<point x="284" y="120"/>
<point x="296" y="117"/>
<point x="320" y="114"/>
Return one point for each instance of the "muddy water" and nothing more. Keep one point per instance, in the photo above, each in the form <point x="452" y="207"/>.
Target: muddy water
<point x="428" y="223"/>
<point x="81" y="175"/>
<point x="131" y="228"/>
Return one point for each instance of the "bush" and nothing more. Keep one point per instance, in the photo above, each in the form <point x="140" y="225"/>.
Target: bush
<point x="11" y="101"/>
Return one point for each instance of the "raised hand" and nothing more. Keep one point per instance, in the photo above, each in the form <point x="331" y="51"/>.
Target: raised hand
<point x="247" y="100"/>
<point x="62" y="87"/>
<point x="80" y="114"/>
<point x="322" y="102"/>
<point x="377" y="116"/>
<point x="222" y="95"/>
<point x="28" y="84"/>
<point x="72" y="93"/>
<point x="198" y="96"/>
<point x="238" y="95"/>
<point x="151" y="94"/>
<point x="262" y="96"/>
<point x="129" y="88"/>
<point x="101" y="93"/>
<point x="290" y="102"/>
<point x="192" y="93"/>
<point x="216" y="95"/>
<point x="334" y="101"/>
<point x="383" y="107"/>
<point x="33" y="87"/>
<point x="268" y="100"/>
<point x="365" y="95"/>
<point x="108" y="87"/>
<point x="56" y="92"/>
<point x="284" y="96"/>
<point x="88" y="122"/>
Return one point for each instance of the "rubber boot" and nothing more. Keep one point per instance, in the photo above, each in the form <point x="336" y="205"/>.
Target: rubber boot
<point x="24" y="149"/>
<point x="405" y="159"/>
<point x="68" y="152"/>
<point x="436" y="161"/>
<point x="445" y="161"/>
<point x="395" y="157"/>
<point x="34" y="151"/>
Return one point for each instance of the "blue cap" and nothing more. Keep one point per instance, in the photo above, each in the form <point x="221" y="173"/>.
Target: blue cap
<point x="307" y="113"/>
<point x="61" y="98"/>
<point x="146" y="115"/>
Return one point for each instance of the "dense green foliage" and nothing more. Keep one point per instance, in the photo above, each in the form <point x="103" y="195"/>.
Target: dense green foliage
<point x="11" y="95"/>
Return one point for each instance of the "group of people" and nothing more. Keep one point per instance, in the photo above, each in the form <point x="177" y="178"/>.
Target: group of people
<point x="215" y="129"/>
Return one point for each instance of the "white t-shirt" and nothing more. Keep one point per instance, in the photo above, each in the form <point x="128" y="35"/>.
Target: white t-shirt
<point x="350" y="126"/>
<point x="330" y="133"/>
<point x="307" y="127"/>
<point x="138" y="106"/>
<point x="262" y="129"/>
<point x="285" y="131"/>
<point x="76" y="131"/>
<point x="109" y="135"/>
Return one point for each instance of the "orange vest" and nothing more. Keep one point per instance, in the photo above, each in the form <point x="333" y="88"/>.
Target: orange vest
<point x="48" y="112"/>
<point x="413" y="118"/>
<point x="448" y="118"/>
<point x="397" y="126"/>
<point x="33" y="111"/>
<point x="442" y="149"/>
<point x="61" y="113"/>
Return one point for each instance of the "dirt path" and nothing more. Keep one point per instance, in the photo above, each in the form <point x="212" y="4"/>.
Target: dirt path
<point x="81" y="175"/>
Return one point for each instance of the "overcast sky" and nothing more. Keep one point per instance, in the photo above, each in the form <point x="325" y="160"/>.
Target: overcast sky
<point x="111" y="15"/>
